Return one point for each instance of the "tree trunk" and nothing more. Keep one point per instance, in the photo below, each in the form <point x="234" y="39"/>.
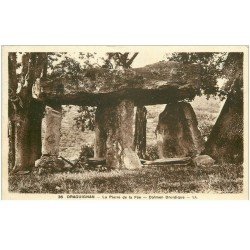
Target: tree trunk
<point x="22" y="143"/>
<point x="27" y="129"/>
<point x="12" y="87"/>
<point x="25" y="111"/>
<point x="140" y="131"/>
<point x="11" y="136"/>
<point x="225" y="142"/>
<point x="35" y="133"/>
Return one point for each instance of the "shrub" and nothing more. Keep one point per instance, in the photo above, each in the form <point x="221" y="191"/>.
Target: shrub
<point x="152" y="153"/>
<point x="87" y="151"/>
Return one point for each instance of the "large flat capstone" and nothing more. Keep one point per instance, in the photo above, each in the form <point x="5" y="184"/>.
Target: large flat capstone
<point x="153" y="84"/>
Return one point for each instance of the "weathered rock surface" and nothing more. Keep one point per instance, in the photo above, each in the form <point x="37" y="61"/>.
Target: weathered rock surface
<point x="177" y="132"/>
<point x="225" y="143"/>
<point x="140" y="135"/>
<point x="114" y="135"/>
<point x="154" y="84"/>
<point x="53" y="118"/>
<point x="49" y="161"/>
<point x="203" y="161"/>
<point x="49" y="164"/>
<point x="130" y="159"/>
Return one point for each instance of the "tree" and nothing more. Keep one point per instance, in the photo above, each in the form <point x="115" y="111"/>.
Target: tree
<point x="233" y="72"/>
<point x="25" y="113"/>
<point x="211" y="70"/>
<point x="85" y="119"/>
<point x="225" y="142"/>
<point x="117" y="59"/>
<point x="12" y="87"/>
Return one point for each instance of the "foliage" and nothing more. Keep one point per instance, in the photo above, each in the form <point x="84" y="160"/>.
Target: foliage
<point x="87" y="151"/>
<point x="66" y="66"/>
<point x="152" y="152"/>
<point x="233" y="70"/>
<point x="117" y="59"/>
<point x="212" y="65"/>
<point x="85" y="120"/>
<point x="206" y="124"/>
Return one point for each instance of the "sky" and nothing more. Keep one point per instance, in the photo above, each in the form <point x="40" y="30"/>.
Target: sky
<point x="145" y="56"/>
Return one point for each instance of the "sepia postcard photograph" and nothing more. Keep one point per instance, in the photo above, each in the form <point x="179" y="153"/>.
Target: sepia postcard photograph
<point x="125" y="122"/>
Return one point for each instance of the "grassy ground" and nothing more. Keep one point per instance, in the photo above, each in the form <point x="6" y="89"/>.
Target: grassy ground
<point x="171" y="179"/>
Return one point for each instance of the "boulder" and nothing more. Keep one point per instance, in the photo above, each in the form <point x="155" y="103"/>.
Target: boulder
<point x="203" y="161"/>
<point x="49" y="164"/>
<point x="130" y="159"/>
<point x="177" y="131"/>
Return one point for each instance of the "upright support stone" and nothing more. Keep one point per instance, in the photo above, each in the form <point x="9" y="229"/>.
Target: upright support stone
<point x="100" y="133"/>
<point x="50" y="150"/>
<point x="114" y="132"/>
<point x="53" y="119"/>
<point x="177" y="131"/>
<point x="140" y="131"/>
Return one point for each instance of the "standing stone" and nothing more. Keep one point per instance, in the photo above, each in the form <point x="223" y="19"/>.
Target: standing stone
<point x="114" y="135"/>
<point x="49" y="161"/>
<point x="140" y="131"/>
<point x="100" y="133"/>
<point x="53" y="119"/>
<point x="177" y="131"/>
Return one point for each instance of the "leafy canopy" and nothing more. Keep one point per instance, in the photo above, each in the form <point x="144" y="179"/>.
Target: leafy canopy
<point x="215" y="66"/>
<point x="212" y="64"/>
